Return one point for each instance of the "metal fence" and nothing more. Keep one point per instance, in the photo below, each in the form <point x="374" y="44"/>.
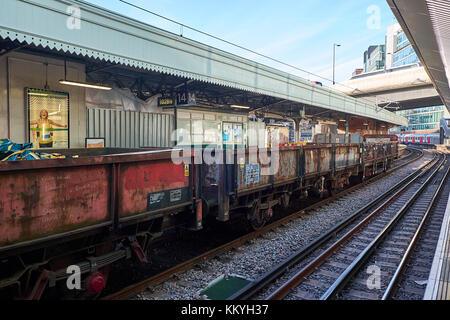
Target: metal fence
<point x="130" y="129"/>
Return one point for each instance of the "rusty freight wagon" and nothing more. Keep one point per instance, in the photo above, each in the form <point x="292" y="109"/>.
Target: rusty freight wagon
<point x="89" y="211"/>
<point x="110" y="204"/>
<point x="254" y="180"/>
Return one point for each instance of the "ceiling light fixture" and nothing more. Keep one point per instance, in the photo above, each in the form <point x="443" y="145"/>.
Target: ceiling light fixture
<point x="38" y="94"/>
<point x="80" y="83"/>
<point x="240" y="107"/>
<point x="84" y="84"/>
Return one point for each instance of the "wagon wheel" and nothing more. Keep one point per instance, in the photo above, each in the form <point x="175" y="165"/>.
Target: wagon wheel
<point x="257" y="220"/>
<point x="389" y="164"/>
<point x="319" y="188"/>
<point x="331" y="190"/>
<point x="285" y="200"/>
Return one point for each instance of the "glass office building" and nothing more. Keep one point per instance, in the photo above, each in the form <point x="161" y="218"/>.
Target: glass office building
<point x="423" y="118"/>
<point x="404" y="52"/>
<point x="374" y="58"/>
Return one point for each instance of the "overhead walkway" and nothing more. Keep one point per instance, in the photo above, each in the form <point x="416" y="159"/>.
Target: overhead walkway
<point x="400" y="88"/>
<point x="114" y="39"/>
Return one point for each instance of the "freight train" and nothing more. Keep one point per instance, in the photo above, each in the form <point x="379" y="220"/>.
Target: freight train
<point x="82" y="214"/>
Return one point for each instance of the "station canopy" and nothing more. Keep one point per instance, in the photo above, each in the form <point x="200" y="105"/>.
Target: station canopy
<point x="426" y="23"/>
<point x="127" y="53"/>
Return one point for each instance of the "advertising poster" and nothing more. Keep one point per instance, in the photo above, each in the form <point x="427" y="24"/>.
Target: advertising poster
<point x="95" y="143"/>
<point x="232" y="133"/>
<point x="227" y="136"/>
<point x="48" y="114"/>
<point x="238" y="133"/>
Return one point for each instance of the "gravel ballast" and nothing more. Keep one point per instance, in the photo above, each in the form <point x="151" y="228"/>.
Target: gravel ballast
<point x="257" y="256"/>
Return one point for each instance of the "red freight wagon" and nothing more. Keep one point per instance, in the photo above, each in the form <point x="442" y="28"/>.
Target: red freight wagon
<point x="109" y="204"/>
<point x="114" y="196"/>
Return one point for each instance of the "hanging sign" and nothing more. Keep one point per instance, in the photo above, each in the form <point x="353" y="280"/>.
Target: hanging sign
<point x="164" y="102"/>
<point x="184" y="96"/>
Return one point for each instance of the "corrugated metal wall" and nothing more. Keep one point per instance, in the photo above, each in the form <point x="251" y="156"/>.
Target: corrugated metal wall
<point x="130" y="129"/>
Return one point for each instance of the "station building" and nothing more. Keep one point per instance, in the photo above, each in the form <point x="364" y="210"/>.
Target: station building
<point x="118" y="82"/>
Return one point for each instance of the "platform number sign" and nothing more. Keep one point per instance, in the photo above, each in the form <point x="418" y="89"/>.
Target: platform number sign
<point x="185" y="97"/>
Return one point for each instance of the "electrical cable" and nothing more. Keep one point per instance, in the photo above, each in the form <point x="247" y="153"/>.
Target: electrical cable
<point x="249" y="50"/>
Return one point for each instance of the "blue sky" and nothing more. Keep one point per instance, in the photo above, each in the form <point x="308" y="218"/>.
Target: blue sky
<point x="297" y="32"/>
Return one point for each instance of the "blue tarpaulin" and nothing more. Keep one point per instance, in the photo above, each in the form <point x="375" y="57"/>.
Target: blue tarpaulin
<point x="10" y="151"/>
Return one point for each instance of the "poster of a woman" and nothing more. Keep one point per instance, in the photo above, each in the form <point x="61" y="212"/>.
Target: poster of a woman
<point x="45" y="129"/>
<point x="49" y="119"/>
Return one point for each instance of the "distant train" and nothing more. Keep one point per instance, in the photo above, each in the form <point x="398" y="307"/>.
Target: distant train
<point x="420" y="138"/>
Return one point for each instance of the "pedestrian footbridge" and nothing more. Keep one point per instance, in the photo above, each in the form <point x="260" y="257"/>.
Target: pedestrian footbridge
<point x="400" y="88"/>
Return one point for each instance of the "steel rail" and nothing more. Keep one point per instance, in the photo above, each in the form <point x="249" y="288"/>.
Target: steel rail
<point x="252" y="288"/>
<point x="354" y="267"/>
<point x="295" y="280"/>
<point x="165" y="275"/>
<point x="390" y="290"/>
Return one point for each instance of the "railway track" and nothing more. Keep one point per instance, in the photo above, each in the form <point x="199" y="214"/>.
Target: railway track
<point x="378" y="239"/>
<point x="413" y="282"/>
<point x="414" y="155"/>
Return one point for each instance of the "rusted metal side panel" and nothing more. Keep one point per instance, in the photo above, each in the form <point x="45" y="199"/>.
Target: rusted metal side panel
<point x="318" y="159"/>
<point x="311" y="161"/>
<point x="152" y="185"/>
<point x="341" y="157"/>
<point x="379" y="151"/>
<point x="250" y="177"/>
<point x="287" y="169"/>
<point x="378" y="138"/>
<point x="254" y="174"/>
<point x="250" y="171"/>
<point x="347" y="156"/>
<point x="325" y="159"/>
<point x="391" y="149"/>
<point x="369" y="152"/>
<point x="353" y="155"/>
<point x="37" y="203"/>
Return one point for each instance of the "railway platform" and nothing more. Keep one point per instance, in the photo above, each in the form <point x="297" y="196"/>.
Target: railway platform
<point x="438" y="287"/>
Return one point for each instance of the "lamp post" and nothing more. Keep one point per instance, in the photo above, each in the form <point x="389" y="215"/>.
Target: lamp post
<point x="334" y="60"/>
